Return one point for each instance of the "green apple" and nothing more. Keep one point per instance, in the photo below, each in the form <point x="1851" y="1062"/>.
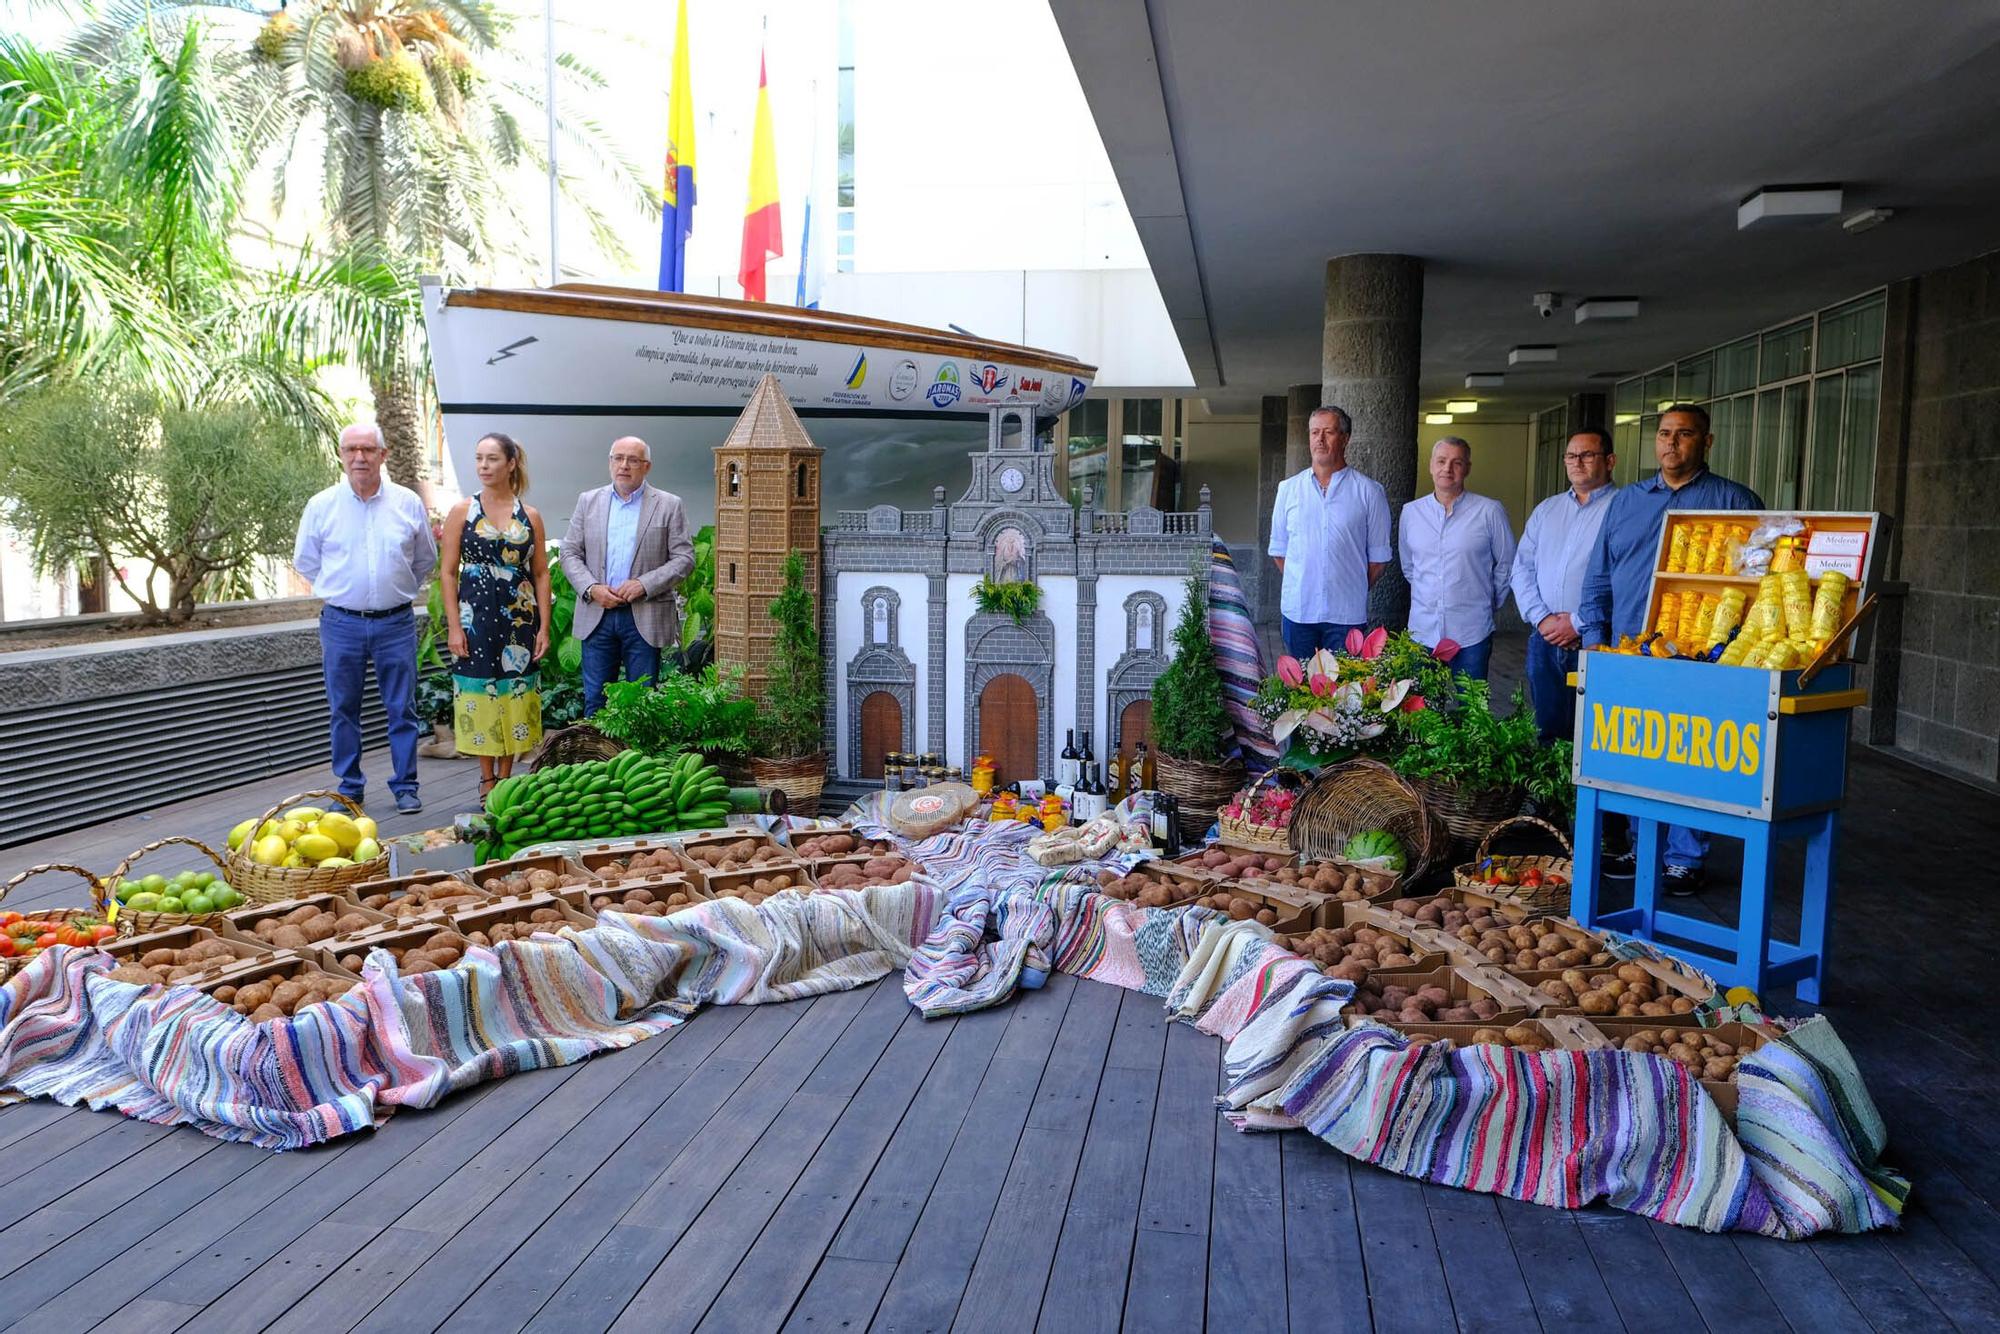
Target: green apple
<point x="198" y="902"/>
<point x="144" y="901"/>
<point x="155" y="883"/>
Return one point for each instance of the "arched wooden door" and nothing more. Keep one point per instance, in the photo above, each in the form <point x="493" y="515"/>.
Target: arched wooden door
<point x="881" y="730"/>
<point x="1009" y="723"/>
<point x="1135" y="724"/>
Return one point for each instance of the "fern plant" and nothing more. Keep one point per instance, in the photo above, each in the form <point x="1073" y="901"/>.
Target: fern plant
<point x="1015" y="598"/>
<point x="791" y="723"/>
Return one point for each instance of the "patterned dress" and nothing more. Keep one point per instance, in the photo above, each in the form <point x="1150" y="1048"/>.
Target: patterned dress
<point x="498" y="705"/>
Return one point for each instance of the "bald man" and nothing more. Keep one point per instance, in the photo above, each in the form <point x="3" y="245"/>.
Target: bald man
<point x="626" y="548"/>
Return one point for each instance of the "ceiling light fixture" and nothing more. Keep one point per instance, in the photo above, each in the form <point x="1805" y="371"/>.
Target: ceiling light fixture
<point x="1868" y="219"/>
<point x="1485" y="380"/>
<point x="1529" y="353"/>
<point x="1607" y="308"/>
<point x="1437" y="419"/>
<point x="1776" y="204"/>
<point x="1462" y="405"/>
<point x="1625" y="419"/>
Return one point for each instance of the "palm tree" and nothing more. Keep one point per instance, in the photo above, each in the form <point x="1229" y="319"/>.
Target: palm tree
<point x="404" y="121"/>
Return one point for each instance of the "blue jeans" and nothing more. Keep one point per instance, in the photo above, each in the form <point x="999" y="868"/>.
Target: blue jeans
<point x="1549" y="688"/>
<point x="1304" y="638"/>
<point x="1685" y="847"/>
<point x="1474" y="659"/>
<point x="615" y="642"/>
<point x="347" y="644"/>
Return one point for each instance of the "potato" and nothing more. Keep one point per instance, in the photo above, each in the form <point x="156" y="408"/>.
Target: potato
<point x="264" y="1013"/>
<point x="1560" y="992"/>
<point x="288" y="993"/>
<point x="255" y="994"/>
<point x="290" y="938"/>
<point x="318" y="929"/>
<point x="135" y="973"/>
<point x="1597" y="1002"/>
<point x="159" y="958"/>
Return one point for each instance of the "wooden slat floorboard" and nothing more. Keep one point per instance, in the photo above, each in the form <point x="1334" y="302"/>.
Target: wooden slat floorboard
<point x="837" y="1164"/>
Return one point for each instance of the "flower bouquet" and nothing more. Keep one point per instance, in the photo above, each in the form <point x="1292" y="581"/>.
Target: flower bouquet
<point x="1260" y="816"/>
<point x="1335" y="706"/>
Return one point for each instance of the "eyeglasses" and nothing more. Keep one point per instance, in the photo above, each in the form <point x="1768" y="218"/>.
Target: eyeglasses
<point x="634" y="459"/>
<point x="1583" y="458"/>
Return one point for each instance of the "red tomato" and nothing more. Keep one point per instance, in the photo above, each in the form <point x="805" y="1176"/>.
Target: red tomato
<point x="102" y="932"/>
<point x="7" y="948"/>
<point x="46" y="939"/>
<point x="9" y="918"/>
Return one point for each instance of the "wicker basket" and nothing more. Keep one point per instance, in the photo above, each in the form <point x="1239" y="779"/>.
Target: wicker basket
<point x="1469" y="815"/>
<point x="1199" y="788"/>
<point x="99" y="898"/>
<point x="259" y="883"/>
<point x="572" y="745"/>
<point x="801" y="780"/>
<point x="160" y="921"/>
<point x="1366" y="794"/>
<point x="1541" y="897"/>
<point x="1244" y="833"/>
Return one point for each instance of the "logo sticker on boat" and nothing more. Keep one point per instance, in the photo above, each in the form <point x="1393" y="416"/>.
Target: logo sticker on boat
<point x="903" y="380"/>
<point x="944" y="389"/>
<point x="859" y="373"/>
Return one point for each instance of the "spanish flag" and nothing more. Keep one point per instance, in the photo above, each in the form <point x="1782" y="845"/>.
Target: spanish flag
<point x="763" y="237"/>
<point x="677" y="190"/>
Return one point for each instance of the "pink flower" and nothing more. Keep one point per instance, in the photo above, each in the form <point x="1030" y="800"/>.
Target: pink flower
<point x="1322" y="685"/>
<point x="1354" y="642"/>
<point x="1446" y="650"/>
<point x="1411" y="703"/>
<point x="1372" y="646"/>
<point x="1290" y="672"/>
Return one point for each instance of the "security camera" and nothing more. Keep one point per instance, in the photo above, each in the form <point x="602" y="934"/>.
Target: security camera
<point x="1548" y="303"/>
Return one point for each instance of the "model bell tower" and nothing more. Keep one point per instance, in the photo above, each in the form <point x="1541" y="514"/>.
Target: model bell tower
<point x="766" y="505"/>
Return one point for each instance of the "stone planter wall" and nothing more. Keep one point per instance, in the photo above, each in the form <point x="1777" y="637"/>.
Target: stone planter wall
<point x="99" y="731"/>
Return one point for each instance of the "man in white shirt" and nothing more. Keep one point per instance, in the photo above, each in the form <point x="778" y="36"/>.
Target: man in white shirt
<point x="1548" y="577"/>
<point x="366" y="545"/>
<point x="1457" y="547"/>
<point x="1330" y="537"/>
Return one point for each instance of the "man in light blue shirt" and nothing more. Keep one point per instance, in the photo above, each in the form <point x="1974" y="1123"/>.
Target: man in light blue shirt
<point x="1548" y="576"/>
<point x="1619" y="579"/>
<point x="1330" y="537"/>
<point x="366" y="546"/>
<point x="626" y="549"/>
<point x="1456" y="549"/>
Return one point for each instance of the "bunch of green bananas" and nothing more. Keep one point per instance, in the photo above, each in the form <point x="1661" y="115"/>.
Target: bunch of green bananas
<point x="628" y="794"/>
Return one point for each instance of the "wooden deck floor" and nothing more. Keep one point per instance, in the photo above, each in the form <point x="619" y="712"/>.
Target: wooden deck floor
<point x="838" y="1164"/>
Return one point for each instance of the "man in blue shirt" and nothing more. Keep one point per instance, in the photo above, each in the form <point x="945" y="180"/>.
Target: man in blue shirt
<point x="1548" y="576"/>
<point x="1620" y="577"/>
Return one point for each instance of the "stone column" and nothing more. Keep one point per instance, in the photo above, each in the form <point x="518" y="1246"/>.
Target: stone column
<point x="1086" y="655"/>
<point x="1299" y="404"/>
<point x="1369" y="361"/>
<point x="1260" y="580"/>
<point x="935" y="663"/>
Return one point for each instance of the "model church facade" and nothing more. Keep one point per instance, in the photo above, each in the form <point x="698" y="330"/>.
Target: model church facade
<point x="913" y="664"/>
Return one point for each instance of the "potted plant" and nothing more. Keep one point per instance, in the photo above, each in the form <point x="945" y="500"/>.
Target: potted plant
<point x="1473" y="766"/>
<point x="1009" y="597"/>
<point x="703" y="712"/>
<point x="435" y="702"/>
<point x="1191" y="728"/>
<point x="788" y="734"/>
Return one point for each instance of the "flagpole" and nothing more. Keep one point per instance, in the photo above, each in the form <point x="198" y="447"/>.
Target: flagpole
<point x="549" y="71"/>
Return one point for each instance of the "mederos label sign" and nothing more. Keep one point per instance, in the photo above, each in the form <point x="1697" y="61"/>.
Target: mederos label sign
<point x="1690" y="732"/>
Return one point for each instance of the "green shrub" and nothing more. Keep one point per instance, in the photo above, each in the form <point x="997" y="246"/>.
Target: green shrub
<point x="1190" y="721"/>
<point x="791" y="724"/>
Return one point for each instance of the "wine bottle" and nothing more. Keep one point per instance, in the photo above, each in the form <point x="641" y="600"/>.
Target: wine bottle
<point x="1066" y="767"/>
<point x="1142" y="763"/>
<point x="1085" y="754"/>
<point x="1089" y="796"/>
<point x="1116" y="784"/>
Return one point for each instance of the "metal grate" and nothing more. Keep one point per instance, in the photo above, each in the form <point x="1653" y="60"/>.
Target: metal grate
<point x="86" y="762"/>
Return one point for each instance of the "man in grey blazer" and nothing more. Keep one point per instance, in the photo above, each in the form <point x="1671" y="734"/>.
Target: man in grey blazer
<point x="626" y="548"/>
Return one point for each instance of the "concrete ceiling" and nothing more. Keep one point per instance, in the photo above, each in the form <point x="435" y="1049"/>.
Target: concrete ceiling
<point x="1570" y="145"/>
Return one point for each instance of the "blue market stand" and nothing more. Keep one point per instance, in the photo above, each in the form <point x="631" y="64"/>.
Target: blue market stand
<point x="1748" y="753"/>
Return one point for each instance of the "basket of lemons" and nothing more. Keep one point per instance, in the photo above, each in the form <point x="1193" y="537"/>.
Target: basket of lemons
<point x="296" y="848"/>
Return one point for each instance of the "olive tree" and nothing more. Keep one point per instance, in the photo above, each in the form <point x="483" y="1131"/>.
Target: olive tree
<point x="167" y="497"/>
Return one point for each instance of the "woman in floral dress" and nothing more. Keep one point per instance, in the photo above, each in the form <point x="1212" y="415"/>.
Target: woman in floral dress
<point x="495" y="571"/>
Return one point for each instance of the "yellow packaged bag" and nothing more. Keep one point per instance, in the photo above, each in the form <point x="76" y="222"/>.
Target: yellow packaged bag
<point x="1728" y="614"/>
<point x="1767" y="614"/>
<point x="1704" y="622"/>
<point x="1697" y="552"/>
<point x="1689" y="630"/>
<point x="1829" y="599"/>
<point x="1669" y="620"/>
<point x="1797" y="602"/>
<point x="1718" y="551"/>
<point x="1677" y="549"/>
<point x="1739" y="648"/>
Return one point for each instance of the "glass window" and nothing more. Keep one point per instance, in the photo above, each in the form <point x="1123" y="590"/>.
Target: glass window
<point x="1730" y="420"/>
<point x="1692" y="378"/>
<point x="1851" y="333"/>
<point x="1822" y="471"/>
<point x="1140" y="435"/>
<point x="1659" y="391"/>
<point x="1786" y="352"/>
<point x="1627" y="397"/>
<point x="1735" y="368"/>
<point x="1088" y="436"/>
<point x="1857" y="438"/>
